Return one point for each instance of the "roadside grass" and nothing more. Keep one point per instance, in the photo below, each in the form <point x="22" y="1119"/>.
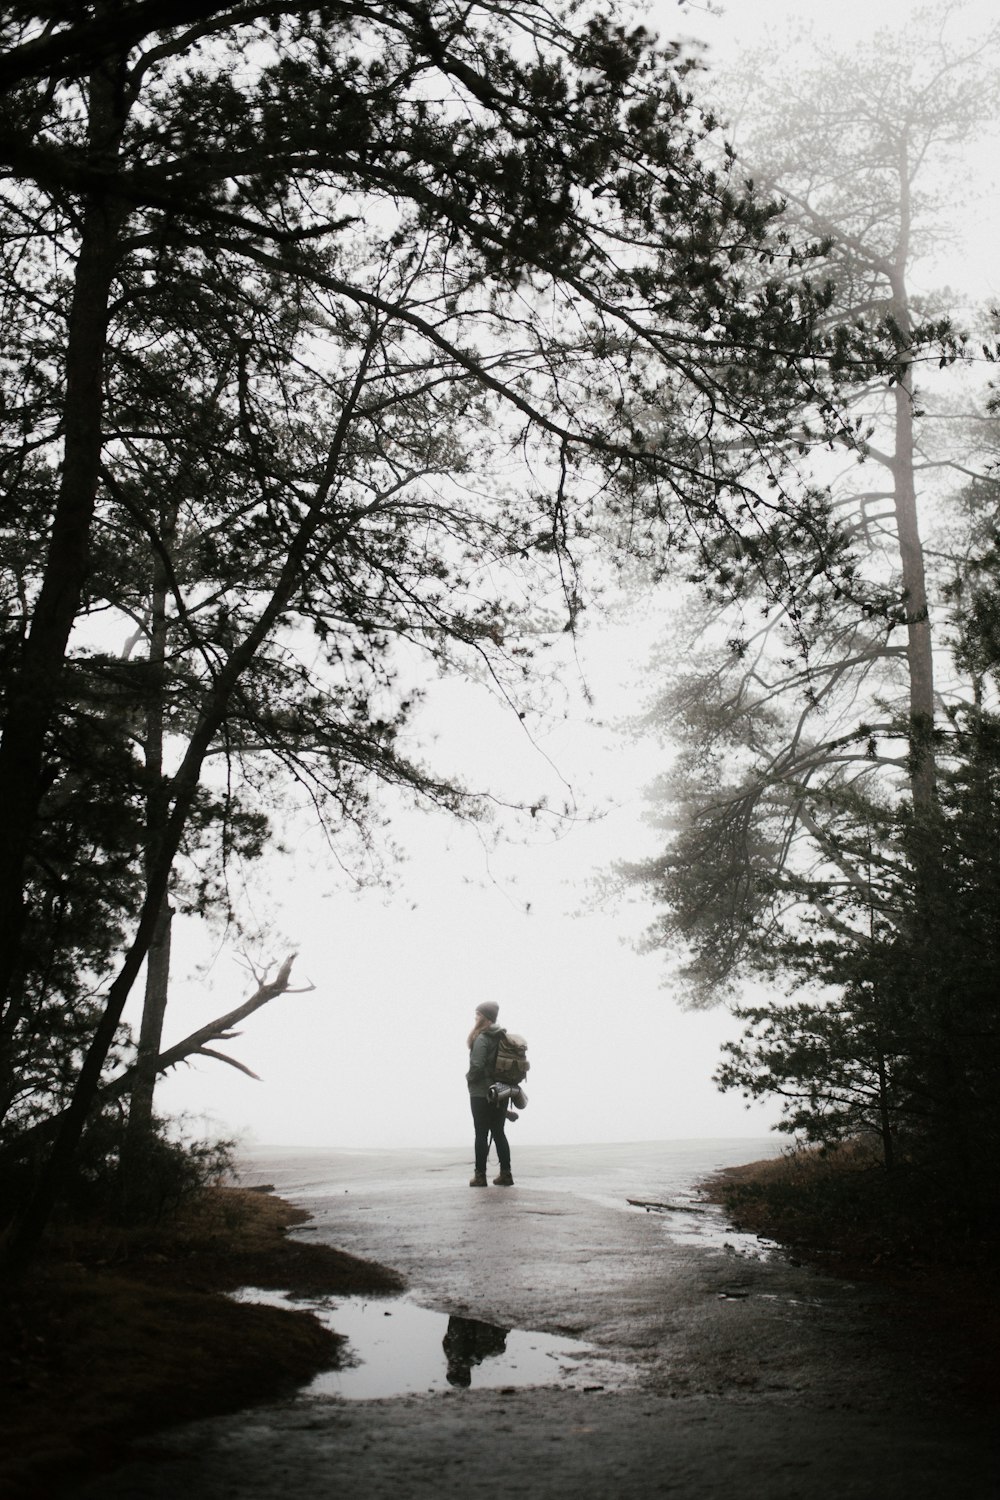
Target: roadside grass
<point x="839" y="1210"/>
<point x="838" y="1203"/>
<point x="117" y="1332"/>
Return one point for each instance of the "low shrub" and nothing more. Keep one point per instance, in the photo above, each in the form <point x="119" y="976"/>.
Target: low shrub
<point x="841" y="1202"/>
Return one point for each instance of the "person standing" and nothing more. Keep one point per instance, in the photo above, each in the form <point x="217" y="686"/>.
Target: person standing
<point x="488" y="1118"/>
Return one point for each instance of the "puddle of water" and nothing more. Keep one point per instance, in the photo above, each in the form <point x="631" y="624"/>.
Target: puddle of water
<point x="401" y="1349"/>
<point x="703" y="1224"/>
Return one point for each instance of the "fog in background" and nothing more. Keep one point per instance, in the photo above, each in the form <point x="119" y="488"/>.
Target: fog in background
<point x="374" y="1054"/>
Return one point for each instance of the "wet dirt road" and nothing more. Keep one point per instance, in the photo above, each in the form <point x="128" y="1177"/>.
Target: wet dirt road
<point x="713" y="1368"/>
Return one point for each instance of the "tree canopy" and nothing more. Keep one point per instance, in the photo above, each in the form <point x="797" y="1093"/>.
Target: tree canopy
<point x="807" y="686"/>
<point x="332" y="334"/>
<point x="833" y="729"/>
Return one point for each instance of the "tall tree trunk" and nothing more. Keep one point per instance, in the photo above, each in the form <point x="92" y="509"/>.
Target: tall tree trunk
<point x="919" y="646"/>
<point x="154" y="1007"/>
<point x="35" y="687"/>
<point x="919" y="652"/>
<point x="885" y="1114"/>
<point x="140" y="1116"/>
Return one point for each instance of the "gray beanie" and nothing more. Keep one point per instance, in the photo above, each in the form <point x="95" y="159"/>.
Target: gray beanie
<point x="488" y="1008"/>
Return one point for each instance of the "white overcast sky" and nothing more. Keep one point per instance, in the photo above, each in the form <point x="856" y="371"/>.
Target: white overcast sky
<point x="374" y="1055"/>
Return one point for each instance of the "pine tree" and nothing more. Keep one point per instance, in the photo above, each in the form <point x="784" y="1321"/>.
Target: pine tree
<point x="302" y="283"/>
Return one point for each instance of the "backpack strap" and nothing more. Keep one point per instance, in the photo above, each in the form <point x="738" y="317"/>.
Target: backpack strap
<point x="491" y="1066"/>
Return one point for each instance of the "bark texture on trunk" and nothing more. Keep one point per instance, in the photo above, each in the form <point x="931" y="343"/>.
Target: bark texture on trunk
<point x="140" y="1115"/>
<point x="36" y="684"/>
<point x="919" y="645"/>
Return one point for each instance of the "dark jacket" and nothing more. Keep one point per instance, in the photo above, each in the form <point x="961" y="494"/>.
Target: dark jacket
<point x="482" y="1060"/>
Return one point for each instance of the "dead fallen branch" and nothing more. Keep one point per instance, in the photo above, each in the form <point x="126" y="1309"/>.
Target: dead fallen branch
<point x="219" y="1030"/>
<point x="195" y="1045"/>
<point x="665" y="1208"/>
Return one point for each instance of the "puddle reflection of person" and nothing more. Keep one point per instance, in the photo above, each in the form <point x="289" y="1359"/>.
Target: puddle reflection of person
<point x="468" y="1342"/>
<point x="489" y="1119"/>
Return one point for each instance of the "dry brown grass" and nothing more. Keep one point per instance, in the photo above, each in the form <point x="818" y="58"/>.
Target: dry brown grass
<point x="816" y="1201"/>
<point x="839" y="1203"/>
<point x="119" y="1332"/>
<point x="837" y="1210"/>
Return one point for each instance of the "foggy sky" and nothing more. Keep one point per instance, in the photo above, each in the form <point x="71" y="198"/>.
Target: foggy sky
<point x="375" y="1054"/>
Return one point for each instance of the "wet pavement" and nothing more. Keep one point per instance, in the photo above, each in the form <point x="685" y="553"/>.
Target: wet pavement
<point x="671" y="1356"/>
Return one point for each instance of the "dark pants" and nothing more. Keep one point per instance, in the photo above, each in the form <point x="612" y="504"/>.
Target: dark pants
<point x="488" y="1117"/>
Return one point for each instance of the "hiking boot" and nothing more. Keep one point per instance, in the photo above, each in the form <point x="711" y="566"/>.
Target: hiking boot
<point x="478" y="1179"/>
<point x="504" y="1180"/>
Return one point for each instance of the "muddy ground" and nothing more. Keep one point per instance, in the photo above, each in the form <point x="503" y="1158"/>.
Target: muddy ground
<point x="726" y="1370"/>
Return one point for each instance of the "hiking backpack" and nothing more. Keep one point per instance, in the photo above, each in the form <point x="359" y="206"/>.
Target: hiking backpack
<point x="511" y="1063"/>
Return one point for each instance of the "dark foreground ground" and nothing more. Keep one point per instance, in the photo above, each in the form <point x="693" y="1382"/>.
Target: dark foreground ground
<point x="728" y="1371"/>
<point x="119" y="1333"/>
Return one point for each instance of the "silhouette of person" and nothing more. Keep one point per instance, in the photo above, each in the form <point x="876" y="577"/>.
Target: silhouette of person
<point x="468" y="1342"/>
<point x="488" y="1117"/>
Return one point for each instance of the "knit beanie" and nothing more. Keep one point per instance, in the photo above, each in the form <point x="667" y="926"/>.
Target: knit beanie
<point x="488" y="1008"/>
